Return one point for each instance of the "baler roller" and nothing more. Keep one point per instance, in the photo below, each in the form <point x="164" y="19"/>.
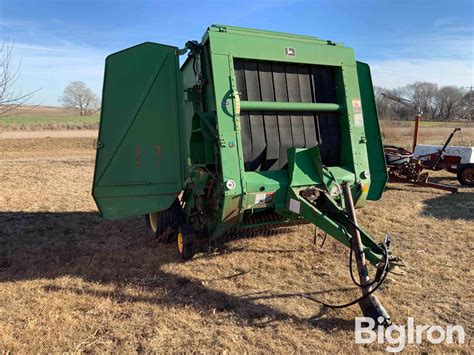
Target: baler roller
<point x="288" y="106"/>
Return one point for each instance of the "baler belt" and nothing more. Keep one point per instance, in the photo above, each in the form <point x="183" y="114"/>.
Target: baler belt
<point x="256" y="119"/>
<point x="272" y="152"/>
<point x="323" y="84"/>
<point x="283" y="118"/>
<point x="306" y="96"/>
<point x="273" y="144"/>
<point x="296" y="118"/>
<point x="286" y="140"/>
<point x="266" y="136"/>
<point x="244" y="118"/>
<point x="247" y="138"/>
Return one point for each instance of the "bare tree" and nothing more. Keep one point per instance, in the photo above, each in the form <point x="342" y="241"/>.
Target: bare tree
<point x="440" y="104"/>
<point x="11" y="97"/>
<point x="383" y="104"/>
<point x="79" y="97"/>
<point x="467" y="105"/>
<point x="389" y="109"/>
<point x="423" y="95"/>
<point x="450" y="100"/>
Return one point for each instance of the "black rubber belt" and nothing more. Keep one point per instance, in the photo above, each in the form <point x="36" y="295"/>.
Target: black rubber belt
<point x="266" y="136"/>
<point x="244" y="116"/>
<point x="308" y="117"/>
<point x="283" y="118"/>
<point x="256" y="119"/>
<point x="269" y="118"/>
<point x="293" y="86"/>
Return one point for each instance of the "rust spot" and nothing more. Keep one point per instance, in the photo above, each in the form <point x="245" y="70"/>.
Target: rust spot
<point x="137" y="156"/>
<point x="158" y="154"/>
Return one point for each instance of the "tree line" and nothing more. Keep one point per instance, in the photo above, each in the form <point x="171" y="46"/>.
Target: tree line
<point x="445" y="103"/>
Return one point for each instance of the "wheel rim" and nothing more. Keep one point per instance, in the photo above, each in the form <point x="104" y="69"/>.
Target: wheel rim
<point x="468" y="175"/>
<point x="153" y="218"/>
<point x="180" y="242"/>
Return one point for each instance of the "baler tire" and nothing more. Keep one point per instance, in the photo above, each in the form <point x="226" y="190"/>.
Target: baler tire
<point x="153" y="224"/>
<point x="185" y="241"/>
<point x="158" y="223"/>
<point x="465" y="174"/>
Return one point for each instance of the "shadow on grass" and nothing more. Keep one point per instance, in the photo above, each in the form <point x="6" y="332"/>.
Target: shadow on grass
<point x="47" y="245"/>
<point x="451" y="206"/>
<point x="411" y="187"/>
<point x="446" y="179"/>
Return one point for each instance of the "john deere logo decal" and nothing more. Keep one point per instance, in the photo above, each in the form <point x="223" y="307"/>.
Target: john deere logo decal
<point x="290" y="52"/>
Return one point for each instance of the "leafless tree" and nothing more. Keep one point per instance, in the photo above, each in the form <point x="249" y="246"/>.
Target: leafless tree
<point x="382" y="103"/>
<point x="79" y="97"/>
<point x="389" y="109"/>
<point x="440" y="104"/>
<point x="423" y="95"/>
<point x="11" y="97"/>
<point x="467" y="105"/>
<point x="449" y="100"/>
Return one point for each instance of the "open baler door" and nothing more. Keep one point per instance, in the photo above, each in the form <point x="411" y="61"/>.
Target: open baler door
<point x="140" y="163"/>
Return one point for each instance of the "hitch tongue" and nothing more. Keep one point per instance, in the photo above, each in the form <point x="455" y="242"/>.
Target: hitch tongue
<point x="370" y="305"/>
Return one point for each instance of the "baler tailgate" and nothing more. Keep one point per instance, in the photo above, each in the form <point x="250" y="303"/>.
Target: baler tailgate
<point x="139" y="166"/>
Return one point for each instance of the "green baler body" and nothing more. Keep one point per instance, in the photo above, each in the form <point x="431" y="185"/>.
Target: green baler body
<point x="159" y="134"/>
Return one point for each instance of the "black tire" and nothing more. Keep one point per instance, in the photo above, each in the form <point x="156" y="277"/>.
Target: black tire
<point x="163" y="225"/>
<point x="466" y="174"/>
<point x="185" y="242"/>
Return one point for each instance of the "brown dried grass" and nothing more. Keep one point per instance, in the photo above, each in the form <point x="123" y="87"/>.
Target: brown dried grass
<point x="40" y="110"/>
<point x="70" y="281"/>
<point x="401" y="133"/>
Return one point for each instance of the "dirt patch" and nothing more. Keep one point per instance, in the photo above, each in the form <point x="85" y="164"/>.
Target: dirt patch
<point x="71" y="281"/>
<point x="49" y="127"/>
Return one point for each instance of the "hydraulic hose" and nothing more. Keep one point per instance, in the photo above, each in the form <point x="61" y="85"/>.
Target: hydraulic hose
<point x="351" y="303"/>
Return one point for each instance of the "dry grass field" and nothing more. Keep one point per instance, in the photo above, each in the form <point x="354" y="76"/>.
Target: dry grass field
<point x="46" y="118"/>
<point x="70" y="281"/>
<point x="400" y="133"/>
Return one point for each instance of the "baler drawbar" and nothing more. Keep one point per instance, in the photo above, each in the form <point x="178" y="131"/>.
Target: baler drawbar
<point x="256" y="129"/>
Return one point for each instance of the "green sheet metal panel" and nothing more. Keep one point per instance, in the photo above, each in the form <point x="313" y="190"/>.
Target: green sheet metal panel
<point x="377" y="167"/>
<point x="140" y="161"/>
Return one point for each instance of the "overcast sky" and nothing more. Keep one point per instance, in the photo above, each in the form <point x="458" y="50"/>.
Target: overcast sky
<point x="403" y="41"/>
